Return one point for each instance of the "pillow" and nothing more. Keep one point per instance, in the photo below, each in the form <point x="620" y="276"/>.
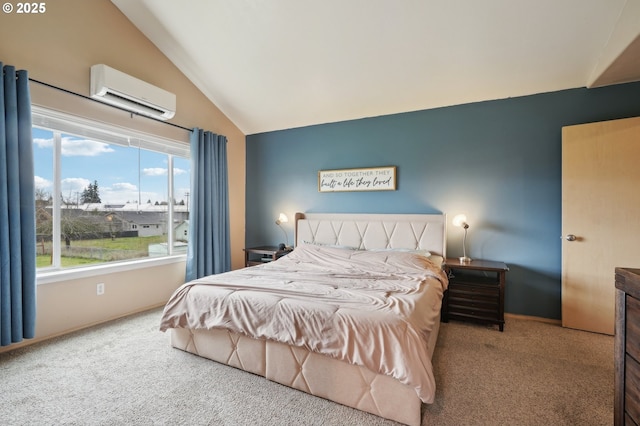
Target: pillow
<point x="313" y="243"/>
<point x="425" y="253"/>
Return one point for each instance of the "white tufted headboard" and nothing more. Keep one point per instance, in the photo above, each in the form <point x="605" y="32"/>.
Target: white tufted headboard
<point x="374" y="231"/>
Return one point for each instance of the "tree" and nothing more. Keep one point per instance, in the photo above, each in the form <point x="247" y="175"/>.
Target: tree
<point x="78" y="224"/>
<point x="44" y="220"/>
<point x="91" y="194"/>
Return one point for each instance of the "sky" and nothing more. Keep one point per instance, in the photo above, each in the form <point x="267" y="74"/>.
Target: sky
<point x="114" y="167"/>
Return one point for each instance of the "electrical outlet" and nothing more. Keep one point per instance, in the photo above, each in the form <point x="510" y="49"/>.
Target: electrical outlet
<point x="100" y="289"/>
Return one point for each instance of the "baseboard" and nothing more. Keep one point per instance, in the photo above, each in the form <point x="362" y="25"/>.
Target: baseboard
<point x="532" y="318"/>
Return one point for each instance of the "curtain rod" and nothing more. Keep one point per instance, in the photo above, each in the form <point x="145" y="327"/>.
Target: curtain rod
<point x="112" y="106"/>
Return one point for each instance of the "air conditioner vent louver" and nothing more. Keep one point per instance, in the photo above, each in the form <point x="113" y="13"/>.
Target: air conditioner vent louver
<point x="124" y="91"/>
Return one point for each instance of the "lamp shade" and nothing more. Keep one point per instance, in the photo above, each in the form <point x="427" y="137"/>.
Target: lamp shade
<point x="459" y="220"/>
<point x="282" y="219"/>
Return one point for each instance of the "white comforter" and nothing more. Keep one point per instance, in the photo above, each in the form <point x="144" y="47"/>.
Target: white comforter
<point x="371" y="308"/>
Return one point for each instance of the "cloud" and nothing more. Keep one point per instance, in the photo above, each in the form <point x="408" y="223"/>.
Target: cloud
<point x="72" y="147"/>
<point x="154" y="171"/>
<point x="123" y="186"/>
<point x="43" y="143"/>
<point x="73" y="185"/>
<point x="42" y="183"/>
<point x="160" y="171"/>
<point x="83" y="148"/>
<point x="124" y="192"/>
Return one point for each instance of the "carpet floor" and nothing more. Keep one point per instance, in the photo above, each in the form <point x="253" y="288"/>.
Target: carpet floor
<point x="125" y="373"/>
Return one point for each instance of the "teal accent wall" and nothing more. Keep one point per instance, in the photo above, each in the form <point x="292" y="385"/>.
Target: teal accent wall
<point x="497" y="161"/>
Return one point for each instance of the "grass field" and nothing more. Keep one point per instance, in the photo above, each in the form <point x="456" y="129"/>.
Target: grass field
<point x="85" y="252"/>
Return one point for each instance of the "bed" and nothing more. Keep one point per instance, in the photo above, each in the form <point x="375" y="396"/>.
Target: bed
<point x="350" y="315"/>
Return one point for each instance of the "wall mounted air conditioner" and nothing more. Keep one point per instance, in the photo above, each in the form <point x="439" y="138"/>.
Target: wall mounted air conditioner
<point x="124" y="91"/>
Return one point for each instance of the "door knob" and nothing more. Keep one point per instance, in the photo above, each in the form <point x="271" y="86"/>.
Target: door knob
<point x="570" y="237"/>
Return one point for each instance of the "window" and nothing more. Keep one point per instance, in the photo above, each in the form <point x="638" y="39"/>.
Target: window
<point x="106" y="194"/>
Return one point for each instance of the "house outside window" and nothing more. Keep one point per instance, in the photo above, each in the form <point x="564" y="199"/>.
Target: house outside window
<point x="98" y="187"/>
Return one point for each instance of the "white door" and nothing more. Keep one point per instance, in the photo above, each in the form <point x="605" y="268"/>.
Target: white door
<point x="600" y="218"/>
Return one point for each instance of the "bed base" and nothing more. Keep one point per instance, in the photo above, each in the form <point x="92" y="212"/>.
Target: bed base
<point x="351" y="385"/>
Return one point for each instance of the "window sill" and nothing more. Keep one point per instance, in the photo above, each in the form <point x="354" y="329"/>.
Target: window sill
<point x="49" y="277"/>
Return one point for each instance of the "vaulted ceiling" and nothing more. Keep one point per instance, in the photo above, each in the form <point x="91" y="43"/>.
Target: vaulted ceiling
<point x="278" y="64"/>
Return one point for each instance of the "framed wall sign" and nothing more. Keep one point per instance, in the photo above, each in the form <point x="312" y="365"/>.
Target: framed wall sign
<point x="363" y="179"/>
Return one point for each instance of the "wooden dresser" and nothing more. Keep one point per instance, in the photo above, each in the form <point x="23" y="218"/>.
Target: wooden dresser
<point x="627" y="347"/>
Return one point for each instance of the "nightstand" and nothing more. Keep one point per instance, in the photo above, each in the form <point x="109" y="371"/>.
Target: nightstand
<point x="263" y="254"/>
<point x="475" y="292"/>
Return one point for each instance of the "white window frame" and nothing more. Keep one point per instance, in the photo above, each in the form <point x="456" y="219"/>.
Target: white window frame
<point x="59" y="122"/>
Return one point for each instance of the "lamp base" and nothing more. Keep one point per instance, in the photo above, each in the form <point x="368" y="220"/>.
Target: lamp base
<point x="465" y="259"/>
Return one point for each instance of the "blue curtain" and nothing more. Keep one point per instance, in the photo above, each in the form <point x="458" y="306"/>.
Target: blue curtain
<point x="17" y="210"/>
<point x="209" y="249"/>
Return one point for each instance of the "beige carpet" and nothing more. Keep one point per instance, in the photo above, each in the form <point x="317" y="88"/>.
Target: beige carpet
<point x="532" y="374"/>
<point x="125" y="373"/>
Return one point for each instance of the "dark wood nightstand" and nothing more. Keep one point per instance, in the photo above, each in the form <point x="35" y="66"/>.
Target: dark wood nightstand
<point x="476" y="291"/>
<point x="263" y="254"/>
